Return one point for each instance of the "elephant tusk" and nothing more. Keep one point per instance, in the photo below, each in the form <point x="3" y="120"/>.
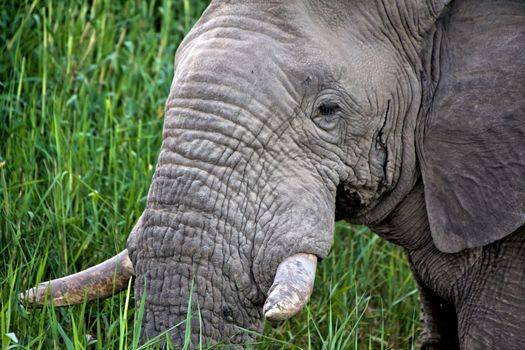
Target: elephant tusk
<point x="99" y="281"/>
<point x="292" y="286"/>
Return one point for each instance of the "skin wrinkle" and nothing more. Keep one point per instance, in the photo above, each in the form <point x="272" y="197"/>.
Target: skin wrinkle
<point x="166" y="201"/>
<point x="393" y="175"/>
<point x="243" y="21"/>
<point x="239" y="74"/>
<point x="467" y="315"/>
<point x="259" y="190"/>
<point x="223" y="157"/>
<point x="228" y="88"/>
<point x="185" y="161"/>
<point x="229" y="25"/>
<point x="397" y="15"/>
<point x="327" y="172"/>
<point x="218" y="103"/>
<point x="287" y="84"/>
<point x="256" y="136"/>
<point x="368" y="21"/>
<point x="406" y="45"/>
<point x="228" y="207"/>
<point x="261" y="202"/>
<point x="383" y="147"/>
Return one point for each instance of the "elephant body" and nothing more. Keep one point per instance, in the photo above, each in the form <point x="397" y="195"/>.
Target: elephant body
<point x="471" y="299"/>
<point x="407" y="116"/>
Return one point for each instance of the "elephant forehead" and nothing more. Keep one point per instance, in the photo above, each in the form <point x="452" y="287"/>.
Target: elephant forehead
<point x="269" y="49"/>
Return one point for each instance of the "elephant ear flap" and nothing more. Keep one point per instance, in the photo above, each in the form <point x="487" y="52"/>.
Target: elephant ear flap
<point x="472" y="153"/>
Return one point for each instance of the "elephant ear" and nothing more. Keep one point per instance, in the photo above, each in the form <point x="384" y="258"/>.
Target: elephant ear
<point x="472" y="150"/>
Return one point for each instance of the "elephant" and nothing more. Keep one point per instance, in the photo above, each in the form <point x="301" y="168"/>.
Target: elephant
<point x="283" y="116"/>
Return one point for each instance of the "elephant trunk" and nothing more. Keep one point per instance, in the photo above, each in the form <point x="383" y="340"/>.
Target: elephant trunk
<point x="189" y="277"/>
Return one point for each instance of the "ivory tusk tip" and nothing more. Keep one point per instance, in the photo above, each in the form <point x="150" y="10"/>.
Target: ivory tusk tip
<point x="292" y="287"/>
<point x="274" y="314"/>
<point x="38" y="295"/>
<point x="277" y="312"/>
<point x="25" y="297"/>
<point x="32" y="296"/>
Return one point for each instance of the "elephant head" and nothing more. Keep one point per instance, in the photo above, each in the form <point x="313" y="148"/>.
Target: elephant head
<point x="282" y="116"/>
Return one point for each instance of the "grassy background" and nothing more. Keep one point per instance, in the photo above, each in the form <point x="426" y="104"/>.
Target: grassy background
<point x="82" y="91"/>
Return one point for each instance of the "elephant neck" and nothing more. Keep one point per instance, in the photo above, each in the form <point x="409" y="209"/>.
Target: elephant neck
<point x="407" y="225"/>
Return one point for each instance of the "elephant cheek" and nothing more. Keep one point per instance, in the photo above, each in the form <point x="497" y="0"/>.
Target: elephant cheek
<point x="307" y="227"/>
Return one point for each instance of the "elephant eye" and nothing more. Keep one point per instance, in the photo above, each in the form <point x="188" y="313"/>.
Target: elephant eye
<point x="328" y="108"/>
<point x="327" y="116"/>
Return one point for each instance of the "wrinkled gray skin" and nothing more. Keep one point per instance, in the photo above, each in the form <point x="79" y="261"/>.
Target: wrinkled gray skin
<point x="407" y="116"/>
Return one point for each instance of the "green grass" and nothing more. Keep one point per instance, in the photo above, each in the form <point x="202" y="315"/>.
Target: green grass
<point x="82" y="92"/>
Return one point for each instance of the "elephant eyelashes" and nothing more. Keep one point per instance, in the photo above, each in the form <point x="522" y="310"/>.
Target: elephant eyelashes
<point x="327" y="115"/>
